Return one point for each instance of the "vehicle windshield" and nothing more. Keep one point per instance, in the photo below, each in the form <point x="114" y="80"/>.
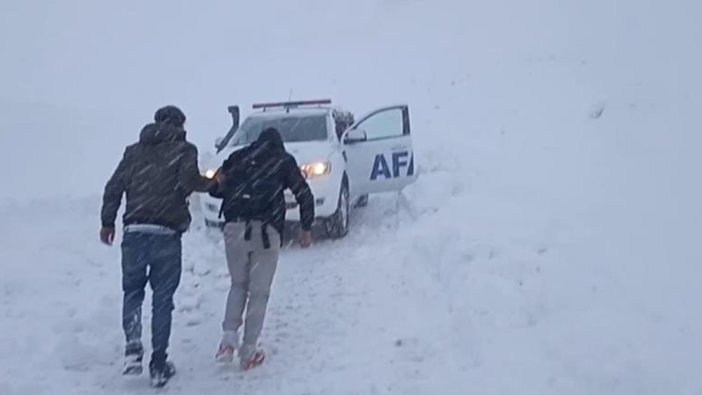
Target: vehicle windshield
<point x="292" y="128"/>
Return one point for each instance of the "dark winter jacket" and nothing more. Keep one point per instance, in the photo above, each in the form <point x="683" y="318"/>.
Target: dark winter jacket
<point x="284" y="174"/>
<point x="158" y="174"/>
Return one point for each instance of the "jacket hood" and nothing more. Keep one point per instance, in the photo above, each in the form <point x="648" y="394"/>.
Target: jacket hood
<point x="270" y="140"/>
<point x="156" y="133"/>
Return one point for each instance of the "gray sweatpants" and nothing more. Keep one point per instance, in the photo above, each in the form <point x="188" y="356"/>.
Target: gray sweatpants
<point x="251" y="268"/>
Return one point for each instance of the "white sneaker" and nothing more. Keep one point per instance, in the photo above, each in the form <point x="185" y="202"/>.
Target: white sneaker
<point x="134" y="352"/>
<point x="252" y="361"/>
<point x="132" y="365"/>
<point x="225" y="354"/>
<point x="227" y="347"/>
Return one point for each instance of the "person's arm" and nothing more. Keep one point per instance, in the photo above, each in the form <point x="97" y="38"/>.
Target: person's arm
<point x="189" y="178"/>
<point x="112" y="198"/>
<point x="296" y="182"/>
<point x="216" y="190"/>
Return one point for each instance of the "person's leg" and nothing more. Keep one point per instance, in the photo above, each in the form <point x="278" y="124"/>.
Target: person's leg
<point x="165" y="261"/>
<point x="134" y="278"/>
<point x="261" y="272"/>
<point x="237" y="251"/>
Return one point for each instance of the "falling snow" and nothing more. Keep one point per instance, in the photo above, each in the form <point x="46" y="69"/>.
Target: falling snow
<point x="548" y="247"/>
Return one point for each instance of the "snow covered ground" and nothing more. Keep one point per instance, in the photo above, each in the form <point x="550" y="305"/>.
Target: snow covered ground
<point x="550" y="246"/>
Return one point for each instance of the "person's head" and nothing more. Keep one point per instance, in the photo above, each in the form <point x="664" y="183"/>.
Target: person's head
<point x="170" y="115"/>
<point x="271" y="139"/>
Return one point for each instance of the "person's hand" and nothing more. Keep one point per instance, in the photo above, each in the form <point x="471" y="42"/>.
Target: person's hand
<point x="306" y="239"/>
<point x="107" y="235"/>
<point x="219" y="176"/>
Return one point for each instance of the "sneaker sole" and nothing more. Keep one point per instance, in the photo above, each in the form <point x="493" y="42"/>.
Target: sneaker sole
<point x="225" y="355"/>
<point x="159" y="382"/>
<point x="254" y="363"/>
<point x="161" y="379"/>
<point x="133" y="370"/>
<point x="225" y="359"/>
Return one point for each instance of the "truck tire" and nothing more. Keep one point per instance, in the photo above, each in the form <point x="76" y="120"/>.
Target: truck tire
<point x="337" y="226"/>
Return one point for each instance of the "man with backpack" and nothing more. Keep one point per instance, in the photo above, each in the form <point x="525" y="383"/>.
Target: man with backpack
<point x="252" y="182"/>
<point x="157" y="174"/>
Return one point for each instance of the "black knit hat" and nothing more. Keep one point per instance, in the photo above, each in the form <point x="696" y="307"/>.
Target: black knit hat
<point x="171" y="115"/>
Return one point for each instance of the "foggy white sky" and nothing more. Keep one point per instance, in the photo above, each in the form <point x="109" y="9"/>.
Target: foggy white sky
<point x="79" y="78"/>
<point x="137" y="55"/>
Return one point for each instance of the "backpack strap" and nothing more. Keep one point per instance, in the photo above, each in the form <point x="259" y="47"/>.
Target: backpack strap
<point x="247" y="232"/>
<point x="264" y="236"/>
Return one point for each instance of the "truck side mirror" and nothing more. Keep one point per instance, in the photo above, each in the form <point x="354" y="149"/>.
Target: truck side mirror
<point x="234" y="111"/>
<point x="220" y="142"/>
<point x="354" y="136"/>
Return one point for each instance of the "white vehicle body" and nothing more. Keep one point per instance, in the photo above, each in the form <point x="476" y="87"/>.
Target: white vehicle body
<point x="373" y="155"/>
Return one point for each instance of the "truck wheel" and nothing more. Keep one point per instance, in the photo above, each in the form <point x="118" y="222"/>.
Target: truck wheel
<point x="337" y="226"/>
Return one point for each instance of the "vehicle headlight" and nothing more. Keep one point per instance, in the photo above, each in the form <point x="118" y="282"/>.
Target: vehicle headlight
<point x="210" y="173"/>
<point x="316" y="169"/>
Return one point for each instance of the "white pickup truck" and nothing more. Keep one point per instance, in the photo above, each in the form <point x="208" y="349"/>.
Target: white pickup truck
<point x="343" y="160"/>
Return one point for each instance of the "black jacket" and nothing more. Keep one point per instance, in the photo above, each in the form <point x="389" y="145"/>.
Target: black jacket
<point x="285" y="174"/>
<point x="158" y="174"/>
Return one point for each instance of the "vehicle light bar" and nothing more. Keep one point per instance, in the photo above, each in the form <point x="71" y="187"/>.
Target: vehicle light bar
<point x="290" y="104"/>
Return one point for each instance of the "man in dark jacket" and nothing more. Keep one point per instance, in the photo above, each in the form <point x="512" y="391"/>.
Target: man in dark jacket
<point x="254" y="211"/>
<point x="157" y="174"/>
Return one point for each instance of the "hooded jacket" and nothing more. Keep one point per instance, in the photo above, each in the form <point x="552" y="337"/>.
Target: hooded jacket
<point x="157" y="174"/>
<point x="284" y="174"/>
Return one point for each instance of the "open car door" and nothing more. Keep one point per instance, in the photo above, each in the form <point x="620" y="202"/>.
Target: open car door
<point x="378" y="152"/>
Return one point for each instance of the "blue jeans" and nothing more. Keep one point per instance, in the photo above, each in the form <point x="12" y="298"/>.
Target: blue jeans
<point x="157" y="259"/>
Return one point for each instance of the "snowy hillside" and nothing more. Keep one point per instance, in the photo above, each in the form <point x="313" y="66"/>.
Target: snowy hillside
<point x="549" y="246"/>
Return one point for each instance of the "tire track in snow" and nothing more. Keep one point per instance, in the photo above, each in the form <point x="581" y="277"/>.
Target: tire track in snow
<point x="336" y="320"/>
<point x="339" y="319"/>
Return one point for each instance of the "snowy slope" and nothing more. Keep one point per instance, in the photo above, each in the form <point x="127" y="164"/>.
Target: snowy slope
<point x="550" y="245"/>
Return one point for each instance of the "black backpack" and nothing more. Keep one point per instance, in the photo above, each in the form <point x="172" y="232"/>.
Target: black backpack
<point x="251" y="185"/>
